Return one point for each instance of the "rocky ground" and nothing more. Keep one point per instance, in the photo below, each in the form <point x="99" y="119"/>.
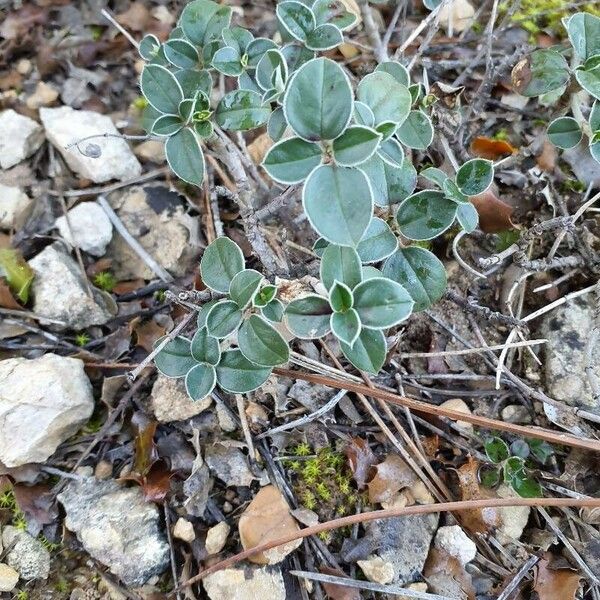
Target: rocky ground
<point x="112" y="489"/>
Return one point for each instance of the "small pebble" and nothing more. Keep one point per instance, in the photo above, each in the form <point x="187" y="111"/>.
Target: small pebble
<point x="184" y="530"/>
<point x="103" y="470"/>
<point x="216" y="537"/>
<point x="8" y="578"/>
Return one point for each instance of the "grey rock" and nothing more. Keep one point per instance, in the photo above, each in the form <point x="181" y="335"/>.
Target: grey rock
<point x="20" y="137"/>
<point x="91" y="228"/>
<point x="15" y="207"/>
<point x="8" y="578"/>
<point x="170" y="401"/>
<point x="229" y="464"/>
<point x="60" y="293"/>
<point x="404" y="543"/>
<point x="26" y="555"/>
<point x="566" y="330"/>
<point x="43" y="402"/>
<point x="245" y="583"/>
<point x="156" y="217"/>
<point x="118" y="527"/>
<point x="196" y="489"/>
<point x="65" y="126"/>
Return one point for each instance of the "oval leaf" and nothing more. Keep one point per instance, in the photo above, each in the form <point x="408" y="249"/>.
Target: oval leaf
<point x="175" y="359"/>
<point x="236" y="374"/>
<point x="389" y="184"/>
<point x="388" y="99"/>
<point x="308" y="317"/>
<point x="205" y="348"/>
<point x="340" y="263"/>
<point x="161" y="89"/>
<point x="200" y="381"/>
<point x="223" y="319"/>
<point x="356" y="145"/>
<point x="381" y="303"/>
<point x="346" y="326"/>
<point x="261" y="343"/>
<point x="292" y="160"/>
<point x="475" y="176"/>
<point x="244" y="286"/>
<point x="416" y="131"/>
<point x="221" y="262"/>
<point x="185" y="157"/>
<point x="425" y="215"/>
<point x="584" y="34"/>
<point x="241" y="110"/>
<point x="378" y="242"/>
<point x="541" y="72"/>
<point x="296" y="18"/>
<point x="368" y="351"/>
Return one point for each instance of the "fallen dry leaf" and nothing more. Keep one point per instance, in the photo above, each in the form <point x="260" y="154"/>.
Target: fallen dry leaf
<point x="267" y="518"/>
<point x="390" y="477"/>
<point x="485" y="147"/>
<point x="447" y="577"/>
<point x="554" y="583"/>
<point x="7" y="300"/>
<point x="494" y="214"/>
<point x="258" y="148"/>
<point x="147" y="333"/>
<point x="547" y="158"/>
<point x="146" y="453"/>
<point x="157" y="483"/>
<point x="338" y="592"/>
<point x="361" y="461"/>
<point x="136" y="17"/>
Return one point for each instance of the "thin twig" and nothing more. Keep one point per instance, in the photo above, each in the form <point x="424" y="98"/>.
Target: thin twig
<point x="118" y="25"/>
<point x="519" y="575"/>
<point x="471" y="350"/>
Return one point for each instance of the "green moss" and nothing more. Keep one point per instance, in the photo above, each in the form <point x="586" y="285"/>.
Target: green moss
<point x="81" y="339"/>
<point x="105" y="280"/>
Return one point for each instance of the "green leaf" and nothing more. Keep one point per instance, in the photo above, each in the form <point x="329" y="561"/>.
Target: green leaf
<point x="223" y="319"/>
<point x="238" y="37"/>
<point x="520" y="448"/>
<point x="149" y="116"/>
<point x="489" y="476"/>
<point x="236" y="374"/>
<point x="271" y="62"/>
<point x="595" y="151"/>
<point x="541" y="72"/>
<point x="200" y="381"/>
<point x="370" y="272"/>
<point x="318" y="100"/>
<point x="203" y="21"/>
<point x="340" y="297"/>
<point x="541" y="450"/>
<point x="244" y="286"/>
<point x="526" y="486"/>
<point x="228" y="61"/>
<point x="378" y="242"/>
<point x="475" y="176"/>
<point x="334" y="12"/>
<point x="496" y="450"/>
<point x="363" y="115"/>
<point x="257" y="48"/>
<point x="167" y="125"/>
<point x="565" y="132"/>
<point x="17" y="272"/>
<point x="420" y="272"/>
<point x="261" y="344"/>
<point x="382" y="303"/>
<point x="292" y="160"/>
<point x="386" y="129"/>
<point x="308" y="317"/>
<point x="416" y="131"/>
<point x="397" y="70"/>
<point x="345" y="215"/>
<point x="185" y="157"/>
<point x="425" y="215"/>
<point x="204" y="129"/>
<point x="389" y="184"/>
<point x="175" y="359"/>
<point x="273" y="311"/>
<point x="181" y="53"/>
<point x="204" y="310"/>
<point x="467" y="216"/>
<point x="149" y="46"/>
<point x="161" y="89"/>
<point x="388" y="99"/>
<point x="193" y="81"/>
<point x="221" y="262"/>
<point x="584" y="34"/>
<point x="356" y="145"/>
<point x="340" y="263"/>
<point x="277" y="124"/>
<point x="453" y="193"/>
<point x="296" y="55"/>
<point x="297" y="19"/>
<point x="392" y="153"/>
<point x="594" y="118"/>
<point x="324" y="37"/>
<point x="435" y="175"/>
<point x="368" y="351"/>
<point x="265" y="295"/>
<point x="346" y="326"/>
<point x="589" y="80"/>
<point x="241" y="110"/>
<point x="205" y="348"/>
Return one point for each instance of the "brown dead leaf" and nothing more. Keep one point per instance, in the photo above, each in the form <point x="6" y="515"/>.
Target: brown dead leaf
<point x="491" y="149"/>
<point x="335" y="591"/>
<point x="447" y="577"/>
<point x="146" y="453"/>
<point x="7" y="300"/>
<point x="554" y="583"/>
<point x="391" y="476"/>
<point x="494" y="214"/>
<point x="267" y="518"/>
<point x="157" y="483"/>
<point x="136" y="17"/>
<point x="547" y="158"/>
<point x="147" y="333"/>
<point x="361" y="461"/>
<point x="258" y="148"/>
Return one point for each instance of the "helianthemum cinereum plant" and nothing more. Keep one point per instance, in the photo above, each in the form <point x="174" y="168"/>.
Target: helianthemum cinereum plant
<point x="547" y="72"/>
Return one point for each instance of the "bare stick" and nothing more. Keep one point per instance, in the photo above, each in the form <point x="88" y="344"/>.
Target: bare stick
<point x="471" y="350"/>
<point x="118" y="25"/>
<point x="521" y="573"/>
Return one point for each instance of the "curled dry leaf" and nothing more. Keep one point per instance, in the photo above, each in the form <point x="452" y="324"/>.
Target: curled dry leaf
<point x="267" y="518"/>
<point x="491" y="149"/>
<point x="447" y="577"/>
<point x="494" y="214"/>
<point x="552" y="582"/>
<point x="361" y="461"/>
<point x="390" y="477"/>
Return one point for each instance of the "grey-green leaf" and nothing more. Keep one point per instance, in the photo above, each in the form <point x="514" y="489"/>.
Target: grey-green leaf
<point x="200" y="381"/>
<point x="324" y="37"/>
<point x="203" y="21"/>
<point x="425" y="215"/>
<point x="227" y="60"/>
<point x="475" y="176"/>
<point x="205" y="348"/>
<point x="388" y="99"/>
<point x="273" y="311"/>
<point x="334" y="12"/>
<point x="241" y="110"/>
<point x="277" y="124"/>
<point x="416" y="131"/>
<point x="565" y="132"/>
<point x="356" y="145"/>
<point x="391" y="152"/>
<point x="223" y="319"/>
<point x="340" y="263"/>
<point x="175" y="359"/>
<point x="236" y="374"/>
<point x="346" y="326"/>
<point x="261" y="343"/>
<point x="381" y="303"/>
<point x="318" y="100"/>
<point x="338" y="203"/>
<point x="271" y="61"/>
<point x="292" y="160"/>
<point x="244" y="286"/>
<point x="167" y="125"/>
<point x="185" y="157"/>
<point x="363" y="115"/>
<point x="584" y="34"/>
<point x="368" y="351"/>
<point x="149" y="46"/>
<point x="420" y="272"/>
<point x="589" y="79"/>
<point x="161" y="89"/>
<point x="389" y="184"/>
<point x="594" y="117"/>
<point x="541" y="72"/>
<point x="340" y="297"/>
<point x="378" y="242"/>
<point x="181" y="53"/>
<point x="435" y="175"/>
<point x="297" y="19"/>
<point x="221" y="262"/>
<point x="467" y="216"/>
<point x="308" y="317"/>
<point x="397" y="70"/>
